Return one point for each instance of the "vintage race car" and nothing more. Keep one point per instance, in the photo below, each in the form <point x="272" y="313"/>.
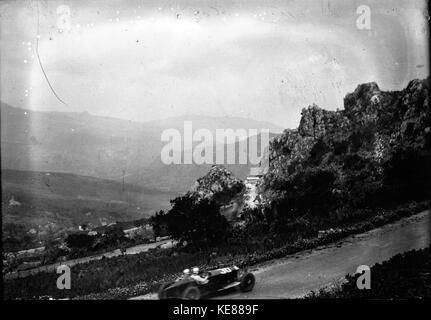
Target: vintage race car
<point x="209" y="282"/>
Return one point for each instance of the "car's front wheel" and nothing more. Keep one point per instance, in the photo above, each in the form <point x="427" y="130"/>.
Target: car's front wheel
<point x="191" y="293"/>
<point x="162" y="291"/>
<point x="247" y="282"/>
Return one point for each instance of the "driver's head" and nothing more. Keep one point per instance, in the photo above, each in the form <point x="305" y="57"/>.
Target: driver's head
<point x="186" y="271"/>
<point x="196" y="270"/>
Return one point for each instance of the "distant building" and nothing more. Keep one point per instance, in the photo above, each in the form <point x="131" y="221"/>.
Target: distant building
<point x="251" y="182"/>
<point x="131" y="230"/>
<point x="145" y="231"/>
<point x="232" y="211"/>
<point x="256" y="172"/>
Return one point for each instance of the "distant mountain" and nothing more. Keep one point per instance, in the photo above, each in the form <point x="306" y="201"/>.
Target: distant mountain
<point x="102" y="147"/>
<point x="76" y="143"/>
<point x="213" y="123"/>
<point x="181" y="177"/>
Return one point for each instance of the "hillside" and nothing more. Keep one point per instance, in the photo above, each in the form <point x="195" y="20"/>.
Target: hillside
<point x="77" y="143"/>
<point x="59" y="200"/>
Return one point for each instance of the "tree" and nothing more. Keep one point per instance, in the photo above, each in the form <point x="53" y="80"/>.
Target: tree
<point x="159" y="226"/>
<point x="16" y="237"/>
<point x="79" y="240"/>
<point x="114" y="236"/>
<point x="197" y="222"/>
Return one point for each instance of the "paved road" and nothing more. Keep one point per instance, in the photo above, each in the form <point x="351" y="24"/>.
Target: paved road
<point x="52" y="267"/>
<point x="296" y="275"/>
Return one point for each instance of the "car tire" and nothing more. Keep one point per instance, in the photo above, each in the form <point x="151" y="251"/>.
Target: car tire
<point x="247" y="282"/>
<point x="162" y="291"/>
<point x="191" y="293"/>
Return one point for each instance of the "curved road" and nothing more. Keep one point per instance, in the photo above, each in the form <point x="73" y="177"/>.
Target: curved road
<point x="296" y="275"/>
<point x="53" y="267"/>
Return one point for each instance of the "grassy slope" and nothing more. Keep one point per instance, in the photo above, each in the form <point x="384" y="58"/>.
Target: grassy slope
<point x="69" y="200"/>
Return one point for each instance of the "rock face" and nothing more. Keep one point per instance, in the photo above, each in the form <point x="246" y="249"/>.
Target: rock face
<point x="365" y="101"/>
<point x="316" y="122"/>
<point x="374" y="149"/>
<point x="361" y="139"/>
<point x="416" y="120"/>
<point x="218" y="184"/>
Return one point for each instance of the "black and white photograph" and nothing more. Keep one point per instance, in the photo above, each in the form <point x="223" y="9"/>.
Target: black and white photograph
<point x="227" y="150"/>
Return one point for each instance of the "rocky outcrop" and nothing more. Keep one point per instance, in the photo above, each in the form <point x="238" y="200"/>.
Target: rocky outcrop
<point x="334" y="157"/>
<point x="316" y="122"/>
<point x="364" y="102"/>
<point x="360" y="138"/>
<point x="416" y="119"/>
<point x="218" y="184"/>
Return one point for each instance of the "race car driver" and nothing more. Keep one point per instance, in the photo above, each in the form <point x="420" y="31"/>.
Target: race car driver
<point x="197" y="277"/>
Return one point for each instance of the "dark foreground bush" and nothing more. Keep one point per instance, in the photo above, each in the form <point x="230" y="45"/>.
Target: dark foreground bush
<point x="404" y="276"/>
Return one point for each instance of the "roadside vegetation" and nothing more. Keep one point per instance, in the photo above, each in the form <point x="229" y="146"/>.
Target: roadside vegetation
<point x="126" y="276"/>
<point x="404" y="276"/>
<point x="79" y="244"/>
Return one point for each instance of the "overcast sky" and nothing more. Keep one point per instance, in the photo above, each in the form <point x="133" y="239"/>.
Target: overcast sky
<point x="146" y="60"/>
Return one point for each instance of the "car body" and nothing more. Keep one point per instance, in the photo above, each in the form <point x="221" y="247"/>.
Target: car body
<point x="187" y="287"/>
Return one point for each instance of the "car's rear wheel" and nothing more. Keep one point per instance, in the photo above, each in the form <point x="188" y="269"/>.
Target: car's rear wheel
<point x="247" y="282"/>
<point x="191" y="293"/>
<point x="162" y="294"/>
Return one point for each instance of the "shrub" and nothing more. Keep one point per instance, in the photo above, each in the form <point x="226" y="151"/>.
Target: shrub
<point x="79" y="240"/>
<point x="199" y="223"/>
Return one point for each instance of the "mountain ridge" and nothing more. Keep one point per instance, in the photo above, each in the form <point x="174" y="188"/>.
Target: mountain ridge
<point x="87" y="145"/>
